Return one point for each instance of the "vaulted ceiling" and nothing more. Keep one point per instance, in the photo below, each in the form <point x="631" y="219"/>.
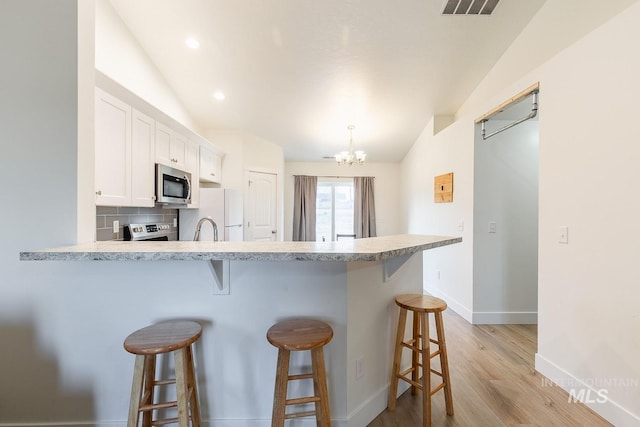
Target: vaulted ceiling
<point x="298" y="72"/>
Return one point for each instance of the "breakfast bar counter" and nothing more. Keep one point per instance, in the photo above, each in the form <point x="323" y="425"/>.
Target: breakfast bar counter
<point x="370" y="249"/>
<point x="348" y="284"/>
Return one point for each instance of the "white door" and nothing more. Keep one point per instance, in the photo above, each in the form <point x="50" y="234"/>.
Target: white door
<point x="262" y="206"/>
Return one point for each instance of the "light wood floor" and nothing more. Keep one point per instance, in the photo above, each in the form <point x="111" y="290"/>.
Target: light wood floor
<point x="493" y="383"/>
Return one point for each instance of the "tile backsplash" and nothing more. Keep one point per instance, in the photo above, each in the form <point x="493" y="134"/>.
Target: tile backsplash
<point x="105" y="215"/>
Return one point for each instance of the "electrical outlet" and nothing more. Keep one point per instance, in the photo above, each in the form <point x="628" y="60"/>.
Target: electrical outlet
<point x="116" y="226"/>
<point x="492" y="226"/>
<point x="175" y="222"/>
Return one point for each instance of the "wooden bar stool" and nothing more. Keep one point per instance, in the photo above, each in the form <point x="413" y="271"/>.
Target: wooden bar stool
<point x="299" y="335"/>
<point x="421" y="306"/>
<point x="167" y="337"/>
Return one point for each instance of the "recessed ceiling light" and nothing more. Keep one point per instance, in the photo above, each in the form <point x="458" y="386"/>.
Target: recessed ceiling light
<point x="218" y="95"/>
<point x="192" y="43"/>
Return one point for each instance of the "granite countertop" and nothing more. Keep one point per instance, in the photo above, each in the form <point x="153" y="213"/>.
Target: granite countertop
<point x="370" y="249"/>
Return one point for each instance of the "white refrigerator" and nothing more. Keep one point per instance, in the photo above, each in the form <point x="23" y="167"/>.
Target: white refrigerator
<point x="224" y="206"/>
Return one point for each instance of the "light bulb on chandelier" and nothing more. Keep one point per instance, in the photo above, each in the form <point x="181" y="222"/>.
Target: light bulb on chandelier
<point x="350" y="157"/>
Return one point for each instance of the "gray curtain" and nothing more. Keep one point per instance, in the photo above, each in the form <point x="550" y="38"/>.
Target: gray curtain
<point x="304" y="208"/>
<point x="364" y="207"/>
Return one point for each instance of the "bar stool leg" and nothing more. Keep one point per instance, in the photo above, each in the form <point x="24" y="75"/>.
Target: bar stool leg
<point x="426" y="371"/>
<point x="444" y="363"/>
<point x="148" y="387"/>
<point x="415" y="356"/>
<point x="397" y="360"/>
<point x="181" y="387"/>
<point x="280" y="395"/>
<point x="194" y="404"/>
<point x="323" y="416"/>
<point x="136" y="391"/>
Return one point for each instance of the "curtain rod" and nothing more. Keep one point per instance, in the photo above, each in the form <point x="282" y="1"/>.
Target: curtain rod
<point x="338" y="177"/>
<point x="518" y="97"/>
<point x="531" y="115"/>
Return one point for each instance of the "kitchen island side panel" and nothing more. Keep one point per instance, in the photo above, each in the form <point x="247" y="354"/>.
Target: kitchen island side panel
<point x="242" y="364"/>
<point x="372" y="319"/>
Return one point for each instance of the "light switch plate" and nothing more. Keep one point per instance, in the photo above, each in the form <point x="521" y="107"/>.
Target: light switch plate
<point x="116" y="226"/>
<point x="564" y="234"/>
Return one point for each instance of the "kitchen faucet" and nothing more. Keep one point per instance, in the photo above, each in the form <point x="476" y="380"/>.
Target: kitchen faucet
<point x="196" y="237"/>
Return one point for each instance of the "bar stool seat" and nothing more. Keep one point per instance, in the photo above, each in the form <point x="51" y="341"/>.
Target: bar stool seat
<point x="174" y="337"/>
<point x="419" y="344"/>
<point x="299" y="335"/>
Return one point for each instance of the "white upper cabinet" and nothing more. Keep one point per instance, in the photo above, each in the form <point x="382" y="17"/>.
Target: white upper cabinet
<point x="112" y="150"/>
<point x="171" y="147"/>
<point x="142" y="160"/>
<point x="124" y="154"/>
<point x="210" y="165"/>
<point x="131" y="136"/>
<point x="163" y="144"/>
<point x="179" y="150"/>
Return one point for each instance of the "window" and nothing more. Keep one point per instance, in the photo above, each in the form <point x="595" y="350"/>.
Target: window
<point x="334" y="209"/>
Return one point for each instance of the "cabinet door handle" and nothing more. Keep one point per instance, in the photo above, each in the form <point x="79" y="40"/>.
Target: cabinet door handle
<point x="99" y="193"/>
<point x="212" y="174"/>
<point x="274" y="231"/>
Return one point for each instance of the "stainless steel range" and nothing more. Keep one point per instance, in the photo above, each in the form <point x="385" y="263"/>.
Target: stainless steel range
<point x="154" y="231"/>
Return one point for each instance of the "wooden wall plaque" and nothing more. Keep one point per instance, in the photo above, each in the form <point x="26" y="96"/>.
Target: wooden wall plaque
<point x="443" y="188"/>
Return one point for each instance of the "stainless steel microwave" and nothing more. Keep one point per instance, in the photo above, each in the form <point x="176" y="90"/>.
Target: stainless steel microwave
<point x="173" y="186"/>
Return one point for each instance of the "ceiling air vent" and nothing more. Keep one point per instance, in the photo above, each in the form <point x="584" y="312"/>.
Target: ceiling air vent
<point x="469" y="7"/>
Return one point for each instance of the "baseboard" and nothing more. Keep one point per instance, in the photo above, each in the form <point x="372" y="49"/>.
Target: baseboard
<point x="452" y="303"/>
<point x="594" y="399"/>
<point x="505" y="318"/>
<point x="302" y="422"/>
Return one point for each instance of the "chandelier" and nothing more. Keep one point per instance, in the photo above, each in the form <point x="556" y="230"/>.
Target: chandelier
<point x="350" y="157"/>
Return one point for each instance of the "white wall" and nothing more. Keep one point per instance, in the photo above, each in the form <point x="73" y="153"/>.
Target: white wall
<point x="588" y="289"/>
<point x="505" y="263"/>
<point x="86" y="122"/>
<point x="386" y="187"/>
<point x="119" y="56"/>
<point x="447" y="272"/>
<point x="39" y="122"/>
